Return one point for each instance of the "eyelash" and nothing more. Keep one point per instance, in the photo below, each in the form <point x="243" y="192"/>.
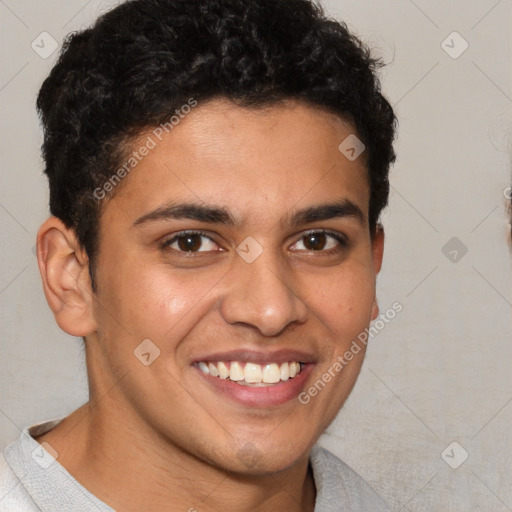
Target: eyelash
<point x="343" y="243"/>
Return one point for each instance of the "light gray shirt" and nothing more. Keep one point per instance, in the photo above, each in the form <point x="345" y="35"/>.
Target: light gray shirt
<point x="32" y="480"/>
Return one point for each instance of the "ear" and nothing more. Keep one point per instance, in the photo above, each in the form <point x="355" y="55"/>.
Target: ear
<point x="377" y="255"/>
<point x="64" y="268"/>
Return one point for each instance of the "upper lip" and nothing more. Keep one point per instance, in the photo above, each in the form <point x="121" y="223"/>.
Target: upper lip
<point x="258" y="357"/>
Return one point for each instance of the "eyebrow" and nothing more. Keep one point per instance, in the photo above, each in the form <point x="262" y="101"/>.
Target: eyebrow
<point x="220" y="215"/>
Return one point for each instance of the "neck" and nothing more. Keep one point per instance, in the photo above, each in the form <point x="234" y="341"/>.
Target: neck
<point x="131" y="468"/>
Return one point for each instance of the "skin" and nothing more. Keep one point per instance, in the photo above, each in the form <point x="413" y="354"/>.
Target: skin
<point x="156" y="435"/>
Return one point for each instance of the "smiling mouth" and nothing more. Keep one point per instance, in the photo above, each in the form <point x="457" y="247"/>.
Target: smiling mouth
<point x="252" y="374"/>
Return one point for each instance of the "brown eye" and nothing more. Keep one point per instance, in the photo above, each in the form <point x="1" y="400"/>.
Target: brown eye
<point x="321" y="241"/>
<point x="315" y="241"/>
<point x="191" y="242"/>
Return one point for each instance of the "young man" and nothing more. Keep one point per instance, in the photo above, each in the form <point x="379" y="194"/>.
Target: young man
<point x="217" y="169"/>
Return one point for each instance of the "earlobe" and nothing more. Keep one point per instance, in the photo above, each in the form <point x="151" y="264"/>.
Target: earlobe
<point x="375" y="309"/>
<point x="64" y="268"/>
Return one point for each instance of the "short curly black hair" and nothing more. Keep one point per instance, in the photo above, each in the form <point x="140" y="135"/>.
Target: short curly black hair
<point x="144" y="59"/>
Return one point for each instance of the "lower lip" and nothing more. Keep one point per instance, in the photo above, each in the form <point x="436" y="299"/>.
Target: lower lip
<point x="264" y="396"/>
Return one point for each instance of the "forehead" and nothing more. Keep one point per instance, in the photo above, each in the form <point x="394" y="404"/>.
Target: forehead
<point x="260" y="162"/>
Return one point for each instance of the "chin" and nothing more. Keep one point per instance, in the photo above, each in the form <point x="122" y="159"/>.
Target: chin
<point x="253" y="459"/>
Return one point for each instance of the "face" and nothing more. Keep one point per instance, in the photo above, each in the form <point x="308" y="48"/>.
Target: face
<point x="219" y="249"/>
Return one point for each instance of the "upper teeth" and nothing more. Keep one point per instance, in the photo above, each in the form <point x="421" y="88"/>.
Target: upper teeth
<point x="252" y="373"/>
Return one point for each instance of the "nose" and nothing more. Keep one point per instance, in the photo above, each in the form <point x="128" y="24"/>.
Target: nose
<point x="260" y="294"/>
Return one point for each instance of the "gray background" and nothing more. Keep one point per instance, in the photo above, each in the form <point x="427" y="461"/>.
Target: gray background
<point x="440" y="372"/>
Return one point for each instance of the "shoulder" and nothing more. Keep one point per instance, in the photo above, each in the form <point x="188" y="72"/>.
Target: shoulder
<point x="32" y="479"/>
<point x="13" y="496"/>
<point x="339" y="487"/>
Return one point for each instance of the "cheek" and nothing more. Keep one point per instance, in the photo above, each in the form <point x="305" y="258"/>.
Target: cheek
<point x="153" y="301"/>
<point x="342" y="300"/>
